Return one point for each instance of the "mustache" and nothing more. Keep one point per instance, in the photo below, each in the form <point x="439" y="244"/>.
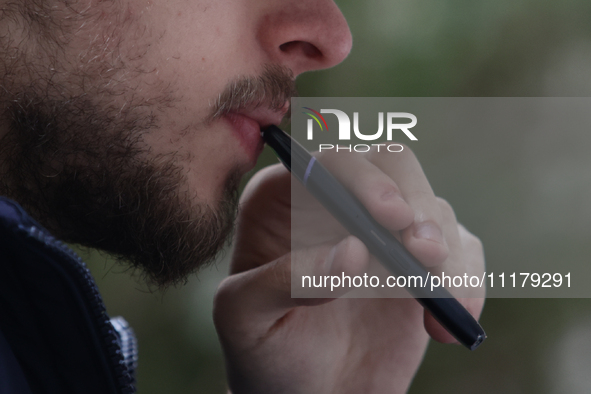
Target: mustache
<point x="272" y="88"/>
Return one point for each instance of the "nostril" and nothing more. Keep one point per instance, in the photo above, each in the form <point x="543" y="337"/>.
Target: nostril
<point x="304" y="48"/>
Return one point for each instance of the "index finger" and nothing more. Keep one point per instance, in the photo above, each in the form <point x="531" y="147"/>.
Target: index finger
<point x="424" y="238"/>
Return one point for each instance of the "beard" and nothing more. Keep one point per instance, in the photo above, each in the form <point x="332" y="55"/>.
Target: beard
<point x="78" y="163"/>
<point x="89" y="180"/>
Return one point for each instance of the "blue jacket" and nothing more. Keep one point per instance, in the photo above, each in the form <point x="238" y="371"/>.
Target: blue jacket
<point x="55" y="335"/>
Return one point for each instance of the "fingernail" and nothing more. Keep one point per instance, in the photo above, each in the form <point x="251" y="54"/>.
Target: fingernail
<point x="430" y="231"/>
<point x="391" y="194"/>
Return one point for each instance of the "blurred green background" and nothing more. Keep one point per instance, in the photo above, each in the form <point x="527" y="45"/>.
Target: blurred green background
<point x="526" y="202"/>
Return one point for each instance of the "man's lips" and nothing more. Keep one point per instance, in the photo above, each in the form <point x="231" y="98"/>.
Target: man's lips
<point x="248" y="124"/>
<point x="265" y="116"/>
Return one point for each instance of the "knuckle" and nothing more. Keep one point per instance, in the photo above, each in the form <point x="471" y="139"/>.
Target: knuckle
<point x="477" y="243"/>
<point x="281" y="271"/>
<point x="267" y="173"/>
<point x="445" y="207"/>
<point x="470" y="240"/>
<point x="263" y="179"/>
<point x="222" y="300"/>
<point x="223" y="289"/>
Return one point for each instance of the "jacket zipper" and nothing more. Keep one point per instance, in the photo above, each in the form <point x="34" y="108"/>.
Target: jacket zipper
<point x="121" y="366"/>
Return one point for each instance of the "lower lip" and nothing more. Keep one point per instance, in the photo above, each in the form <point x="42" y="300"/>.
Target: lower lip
<point x="249" y="133"/>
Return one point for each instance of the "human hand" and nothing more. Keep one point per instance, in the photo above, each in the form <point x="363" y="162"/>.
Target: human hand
<point x="275" y="343"/>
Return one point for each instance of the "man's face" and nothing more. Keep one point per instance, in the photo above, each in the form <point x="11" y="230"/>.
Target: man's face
<point x="137" y="109"/>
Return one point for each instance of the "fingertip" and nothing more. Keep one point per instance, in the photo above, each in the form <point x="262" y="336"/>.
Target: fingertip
<point x="350" y="256"/>
<point x="389" y="208"/>
<point x="426" y="242"/>
<point x="428" y="230"/>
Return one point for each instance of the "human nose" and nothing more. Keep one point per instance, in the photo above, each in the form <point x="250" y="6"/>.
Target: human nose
<point x="305" y="35"/>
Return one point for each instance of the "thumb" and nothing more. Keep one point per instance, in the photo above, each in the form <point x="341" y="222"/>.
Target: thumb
<point x="256" y="299"/>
